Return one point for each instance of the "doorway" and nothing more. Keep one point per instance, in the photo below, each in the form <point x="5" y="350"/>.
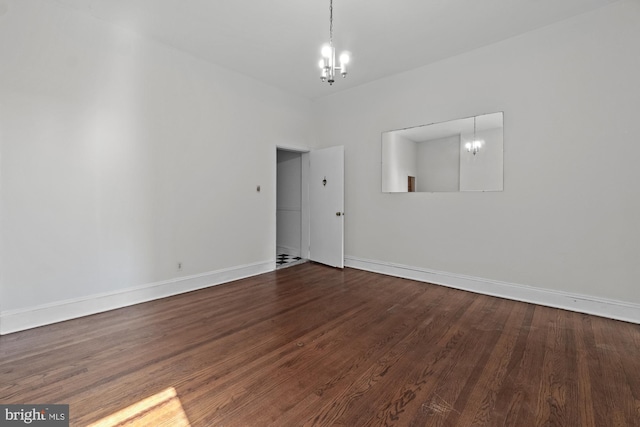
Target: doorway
<point x="310" y="206"/>
<point x="411" y="185"/>
<point x="292" y="217"/>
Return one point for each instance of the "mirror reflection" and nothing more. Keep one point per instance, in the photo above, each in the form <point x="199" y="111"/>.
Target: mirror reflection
<point x="458" y="155"/>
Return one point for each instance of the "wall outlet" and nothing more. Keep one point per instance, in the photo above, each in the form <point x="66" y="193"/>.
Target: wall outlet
<point x="179" y="266"/>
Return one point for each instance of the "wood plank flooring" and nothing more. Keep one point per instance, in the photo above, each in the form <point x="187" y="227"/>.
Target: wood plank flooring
<point x="315" y="346"/>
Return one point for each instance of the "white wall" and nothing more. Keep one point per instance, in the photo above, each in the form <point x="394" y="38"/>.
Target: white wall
<point x="567" y="219"/>
<point x="289" y="202"/>
<point x="121" y="156"/>
<point x="402" y="155"/>
<point x="439" y="164"/>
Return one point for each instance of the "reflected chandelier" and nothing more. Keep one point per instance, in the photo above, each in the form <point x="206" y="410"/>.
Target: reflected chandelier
<point x="328" y="62"/>
<point x="475" y="144"/>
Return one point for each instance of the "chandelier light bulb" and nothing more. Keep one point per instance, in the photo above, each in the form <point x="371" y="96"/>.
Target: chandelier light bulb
<point x="344" y="58"/>
<point x="326" y="51"/>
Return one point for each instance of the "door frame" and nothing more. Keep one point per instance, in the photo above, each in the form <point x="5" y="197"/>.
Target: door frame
<point x="305" y="230"/>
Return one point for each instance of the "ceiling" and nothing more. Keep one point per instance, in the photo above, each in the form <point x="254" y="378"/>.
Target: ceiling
<point x="278" y="41"/>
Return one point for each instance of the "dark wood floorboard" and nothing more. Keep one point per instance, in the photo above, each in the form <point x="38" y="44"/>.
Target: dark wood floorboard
<point x="316" y="346"/>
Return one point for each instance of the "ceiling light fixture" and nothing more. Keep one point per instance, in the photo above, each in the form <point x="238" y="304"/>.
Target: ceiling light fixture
<point x="328" y="62"/>
<point x="475" y="144"/>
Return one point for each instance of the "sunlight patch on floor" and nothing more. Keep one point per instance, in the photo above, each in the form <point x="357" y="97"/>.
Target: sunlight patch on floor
<point x="161" y="409"/>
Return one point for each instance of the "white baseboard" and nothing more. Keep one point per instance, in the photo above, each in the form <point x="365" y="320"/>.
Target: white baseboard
<point x="32" y="317"/>
<point x="612" y="309"/>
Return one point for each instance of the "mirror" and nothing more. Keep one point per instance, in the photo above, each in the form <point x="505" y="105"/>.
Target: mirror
<point x="458" y="155"/>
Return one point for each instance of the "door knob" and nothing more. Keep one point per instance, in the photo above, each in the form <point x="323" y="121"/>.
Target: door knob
<point x="339" y="213"/>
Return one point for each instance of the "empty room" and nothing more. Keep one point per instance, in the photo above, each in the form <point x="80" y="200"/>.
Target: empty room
<point x="319" y="212"/>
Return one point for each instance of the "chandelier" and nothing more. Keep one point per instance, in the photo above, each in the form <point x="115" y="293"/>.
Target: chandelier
<point x="474" y="145"/>
<point x="328" y="61"/>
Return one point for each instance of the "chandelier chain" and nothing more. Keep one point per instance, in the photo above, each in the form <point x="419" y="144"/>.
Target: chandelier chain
<point x="331" y="22"/>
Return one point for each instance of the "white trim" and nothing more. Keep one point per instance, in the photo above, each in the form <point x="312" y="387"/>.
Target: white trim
<point x="613" y="309"/>
<point x="45" y="314"/>
<point x="294" y="148"/>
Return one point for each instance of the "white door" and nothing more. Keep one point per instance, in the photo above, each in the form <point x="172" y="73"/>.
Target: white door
<point x="326" y="206"/>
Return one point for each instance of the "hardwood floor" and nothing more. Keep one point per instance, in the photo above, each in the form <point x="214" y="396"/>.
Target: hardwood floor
<point x="312" y="345"/>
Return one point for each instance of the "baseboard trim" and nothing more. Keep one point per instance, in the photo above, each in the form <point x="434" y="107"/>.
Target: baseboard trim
<point x="612" y="309"/>
<point x="59" y="311"/>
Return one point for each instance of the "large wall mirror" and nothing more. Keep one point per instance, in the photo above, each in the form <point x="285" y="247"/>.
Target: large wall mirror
<point x="458" y="155"/>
